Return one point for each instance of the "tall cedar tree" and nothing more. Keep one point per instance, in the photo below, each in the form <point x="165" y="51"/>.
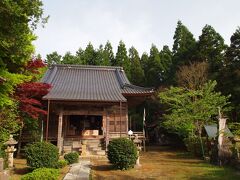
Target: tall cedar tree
<point x="18" y="19"/>
<point x="53" y="58"/>
<point x="79" y="56"/>
<point x="108" y="56"/>
<point x="144" y="61"/>
<point x="99" y="55"/>
<point x="211" y="48"/>
<point x="122" y="59"/>
<point x="153" y="68"/>
<point x="230" y="74"/>
<point x="68" y="58"/>
<point x="137" y="73"/>
<point x="89" y="55"/>
<point x="166" y="61"/>
<point x="184" y="45"/>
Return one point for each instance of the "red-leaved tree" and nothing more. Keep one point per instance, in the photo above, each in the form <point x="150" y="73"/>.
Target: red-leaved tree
<point x="29" y="94"/>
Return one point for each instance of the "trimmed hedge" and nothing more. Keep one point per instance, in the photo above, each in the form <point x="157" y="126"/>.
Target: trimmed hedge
<point x="42" y="173"/>
<point x="122" y="153"/>
<point x="41" y="154"/>
<point x="71" y="157"/>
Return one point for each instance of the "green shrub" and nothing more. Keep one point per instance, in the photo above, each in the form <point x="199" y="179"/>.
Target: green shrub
<point x="71" y="157"/>
<point x="41" y="174"/>
<point x="122" y="153"/>
<point x="194" y="146"/>
<point x="62" y="163"/>
<point x="41" y="154"/>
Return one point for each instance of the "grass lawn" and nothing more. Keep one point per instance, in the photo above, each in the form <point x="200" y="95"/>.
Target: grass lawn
<point x="163" y="163"/>
<point x="21" y="169"/>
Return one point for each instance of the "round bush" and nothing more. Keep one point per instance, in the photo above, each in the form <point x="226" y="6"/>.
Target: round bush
<point x="71" y="157"/>
<point x="62" y="163"/>
<point x="122" y="153"/>
<point x="42" y="173"/>
<point x="41" y="154"/>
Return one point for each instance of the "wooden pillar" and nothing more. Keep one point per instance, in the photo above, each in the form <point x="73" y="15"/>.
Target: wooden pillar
<point x="47" y="120"/>
<point x="126" y="123"/>
<point x="107" y="130"/>
<point x="59" y="135"/>
<point x="120" y="119"/>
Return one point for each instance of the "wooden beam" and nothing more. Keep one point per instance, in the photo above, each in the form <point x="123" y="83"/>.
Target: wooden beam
<point x="47" y="120"/>
<point x="120" y="119"/>
<point x="59" y="137"/>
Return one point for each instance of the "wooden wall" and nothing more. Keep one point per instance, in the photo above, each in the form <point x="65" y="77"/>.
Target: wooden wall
<point x="115" y="120"/>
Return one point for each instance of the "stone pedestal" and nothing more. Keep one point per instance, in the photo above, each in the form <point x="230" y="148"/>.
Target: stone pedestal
<point x="1" y="164"/>
<point x="10" y="150"/>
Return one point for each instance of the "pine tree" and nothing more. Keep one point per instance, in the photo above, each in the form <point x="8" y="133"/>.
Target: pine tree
<point x="137" y="73"/>
<point x="122" y="59"/>
<point x="211" y="48"/>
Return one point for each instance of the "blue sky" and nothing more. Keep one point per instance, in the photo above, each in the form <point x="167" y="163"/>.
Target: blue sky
<point x="139" y="23"/>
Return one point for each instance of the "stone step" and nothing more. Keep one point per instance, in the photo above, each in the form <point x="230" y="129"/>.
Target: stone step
<point x="101" y="153"/>
<point x="97" y="149"/>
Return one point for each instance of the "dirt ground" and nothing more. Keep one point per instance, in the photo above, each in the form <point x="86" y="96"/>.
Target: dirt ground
<point x="163" y="163"/>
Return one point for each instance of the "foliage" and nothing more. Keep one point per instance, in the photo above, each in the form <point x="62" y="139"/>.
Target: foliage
<point x="122" y="153"/>
<point x="42" y="173"/>
<point x="211" y="48"/>
<point x="89" y="55"/>
<point x="166" y="61"/>
<point x="184" y="45"/>
<point x="18" y="19"/>
<point x="189" y="110"/>
<point x="235" y="128"/>
<point x="122" y="59"/>
<point x="8" y="87"/>
<point x="136" y="71"/>
<point x="71" y="157"/>
<point x="230" y="74"/>
<point x="53" y="58"/>
<point x="68" y="58"/>
<point x="29" y="96"/>
<point x="193" y="145"/>
<point x="9" y="123"/>
<point x="41" y="154"/>
<point x="62" y="163"/>
<point x="153" y="68"/>
<point x="193" y="76"/>
<point x="108" y="56"/>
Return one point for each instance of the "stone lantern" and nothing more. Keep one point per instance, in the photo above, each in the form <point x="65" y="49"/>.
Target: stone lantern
<point x="138" y="142"/>
<point x="10" y="150"/>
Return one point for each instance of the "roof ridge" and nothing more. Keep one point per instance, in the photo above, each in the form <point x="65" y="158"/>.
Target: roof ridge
<point x="86" y="66"/>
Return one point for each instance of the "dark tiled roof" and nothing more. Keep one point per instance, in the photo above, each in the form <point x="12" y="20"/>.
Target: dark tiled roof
<point x="90" y="83"/>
